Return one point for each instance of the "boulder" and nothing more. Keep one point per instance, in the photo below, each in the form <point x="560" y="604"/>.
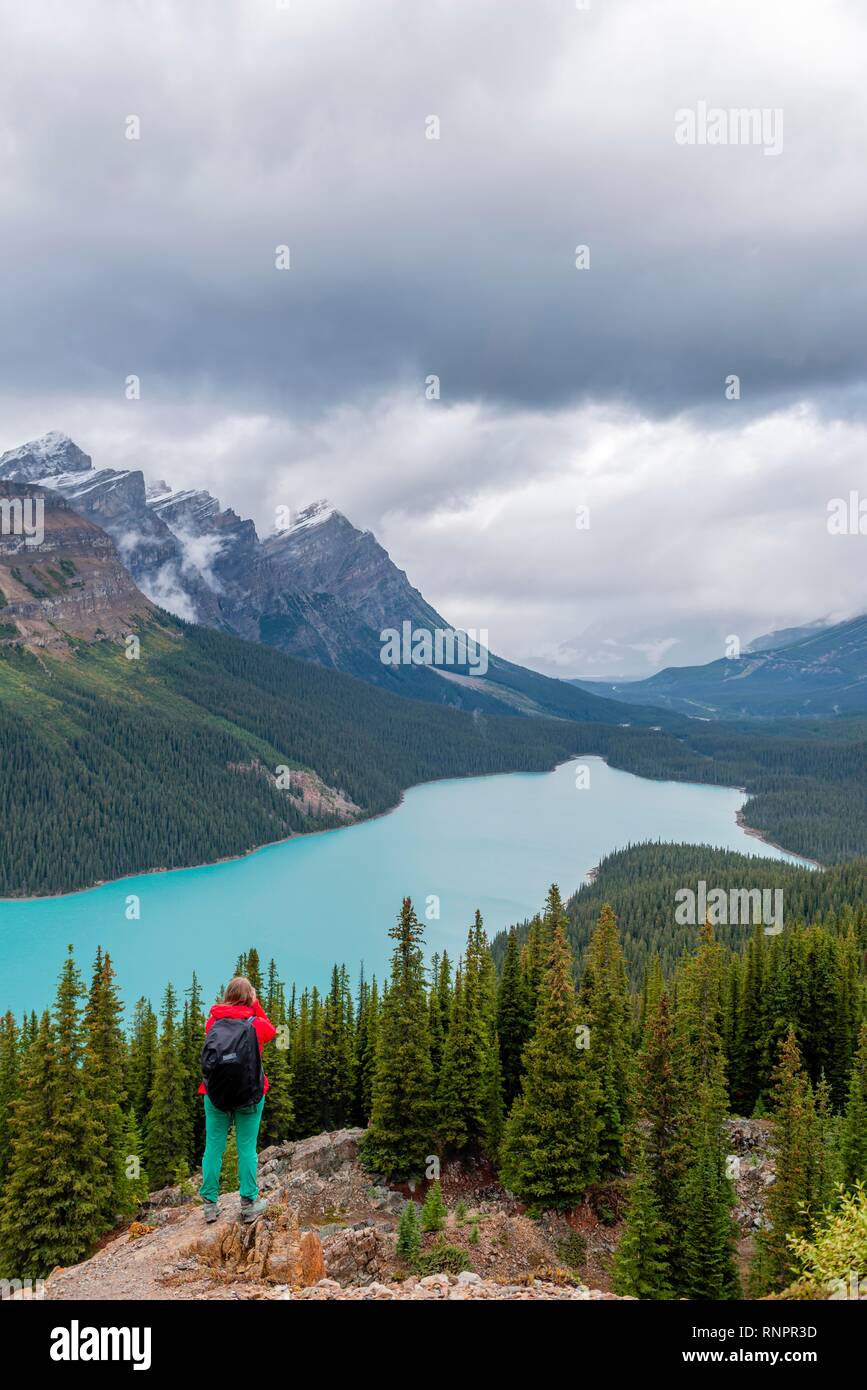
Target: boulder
<point x="271" y="1249"/>
<point x="358" y="1255"/>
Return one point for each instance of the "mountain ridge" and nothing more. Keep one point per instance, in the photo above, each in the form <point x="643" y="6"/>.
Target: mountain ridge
<point x="320" y="589"/>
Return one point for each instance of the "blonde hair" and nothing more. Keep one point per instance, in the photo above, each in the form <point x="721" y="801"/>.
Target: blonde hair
<point x="239" y="991"/>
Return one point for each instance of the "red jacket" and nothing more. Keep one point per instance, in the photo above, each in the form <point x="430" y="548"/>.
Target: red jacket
<point x="265" y="1030"/>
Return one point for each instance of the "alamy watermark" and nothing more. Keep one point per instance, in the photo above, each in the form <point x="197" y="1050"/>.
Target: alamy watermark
<point x="715" y="125"/>
<point x="442" y="646"/>
<point x="23" y="516"/>
<point x="730" y="907"/>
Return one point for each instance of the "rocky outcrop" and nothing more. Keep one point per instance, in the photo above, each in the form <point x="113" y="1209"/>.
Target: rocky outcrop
<point x="360" y="1255"/>
<point x="327" y="1233"/>
<point x="271" y="1250"/>
<point x="753" y="1171"/>
<point x="70" y="583"/>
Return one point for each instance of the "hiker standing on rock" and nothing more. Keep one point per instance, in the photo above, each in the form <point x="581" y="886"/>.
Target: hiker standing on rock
<point x="234" y="1087"/>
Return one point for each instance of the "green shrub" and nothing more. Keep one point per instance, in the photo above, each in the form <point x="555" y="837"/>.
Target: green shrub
<point x="442" y="1258"/>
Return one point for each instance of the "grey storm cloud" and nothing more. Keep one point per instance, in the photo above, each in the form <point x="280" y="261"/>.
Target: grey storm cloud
<point x="305" y="125"/>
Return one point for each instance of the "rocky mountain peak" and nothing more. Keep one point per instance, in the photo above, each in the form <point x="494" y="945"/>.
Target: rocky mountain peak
<point x="49" y="456"/>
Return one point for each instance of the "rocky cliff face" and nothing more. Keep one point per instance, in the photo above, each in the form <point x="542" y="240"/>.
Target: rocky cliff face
<point x="325" y="553"/>
<point x="69" y="584"/>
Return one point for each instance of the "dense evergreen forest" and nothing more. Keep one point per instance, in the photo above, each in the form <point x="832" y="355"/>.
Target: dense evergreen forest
<point x="643" y="880"/>
<point x="110" y="766"/>
<point x="561" y="1084"/>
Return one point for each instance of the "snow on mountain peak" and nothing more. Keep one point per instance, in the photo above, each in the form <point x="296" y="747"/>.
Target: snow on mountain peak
<point x="47" y="457"/>
<point x="314" y="515"/>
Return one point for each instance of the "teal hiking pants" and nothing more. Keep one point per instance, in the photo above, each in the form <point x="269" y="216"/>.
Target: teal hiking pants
<point x="217" y="1124"/>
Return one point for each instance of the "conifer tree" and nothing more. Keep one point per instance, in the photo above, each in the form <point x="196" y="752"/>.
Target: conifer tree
<point x="167" y="1138"/>
<point x="801" y="1183"/>
<point x="277" y="1117"/>
<point x="470" y="1099"/>
<point x="455" y="1078"/>
<point x="368" y="1033"/>
<point x="304" y="1084"/>
<point x="409" y="1234"/>
<point x="704" y="1254"/>
<point x="9" y="1070"/>
<point x="104" y="1053"/>
<point x="606" y="1007"/>
<point x="749" y="1058"/>
<point x="512" y="1019"/>
<point x="336" y="1053"/>
<point x="55" y="1195"/>
<point x="433" y="1213"/>
<point x="854" y="1128"/>
<point x="248" y="964"/>
<point x="641" y="1267"/>
<point x="651" y="991"/>
<point x="439" y="1007"/>
<point x="135" y="1184"/>
<point x="142" y="1059"/>
<point x="549" y="1151"/>
<point x="534" y="956"/>
<point x="708" y="1229"/>
<point x="192" y="1042"/>
<point x="663" y="1110"/>
<point x="402" y="1115"/>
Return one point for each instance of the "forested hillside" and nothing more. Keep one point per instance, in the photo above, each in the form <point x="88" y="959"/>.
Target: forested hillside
<point x="558" y="1086"/>
<point x="644" y="879"/>
<point x="110" y="766"/>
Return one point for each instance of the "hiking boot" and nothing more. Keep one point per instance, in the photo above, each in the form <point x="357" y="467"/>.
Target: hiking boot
<point x="212" y="1211"/>
<point x="250" y="1210"/>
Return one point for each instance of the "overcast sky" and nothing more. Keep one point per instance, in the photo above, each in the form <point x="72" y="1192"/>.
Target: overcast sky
<point x="605" y="387"/>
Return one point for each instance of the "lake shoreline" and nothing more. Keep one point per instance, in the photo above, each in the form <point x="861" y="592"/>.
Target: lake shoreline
<point x="389" y="810"/>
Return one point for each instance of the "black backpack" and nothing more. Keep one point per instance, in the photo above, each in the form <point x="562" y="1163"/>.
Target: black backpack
<point x="232" y="1064"/>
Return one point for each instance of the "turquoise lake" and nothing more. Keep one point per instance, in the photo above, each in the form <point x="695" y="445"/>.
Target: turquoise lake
<point x="495" y="843"/>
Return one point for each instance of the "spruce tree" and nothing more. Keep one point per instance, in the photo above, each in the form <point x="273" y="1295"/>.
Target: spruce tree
<point x="9" y="1070"/>
<point x="142" y="1059"/>
<point x="549" y="1152"/>
<point x="104" y="1054"/>
<point x="402" y="1114"/>
<point x="800" y="1184"/>
<point x="708" y="1229"/>
<point x="664" y="1114"/>
<point x="192" y="1042"/>
<point x="409" y="1234"/>
<point x="470" y="1095"/>
<point x="606" y="1007"/>
<point x="512" y="1019"/>
<point x="277" y="1117"/>
<point x="135" y="1184"/>
<point x="249" y="965"/>
<point x="641" y="1263"/>
<point x="439" y="1007"/>
<point x="433" y="1213"/>
<point x="854" y="1128"/>
<point x="168" y="1136"/>
<point x="368" y="1033"/>
<point x="304" y="1084"/>
<point x="54" y="1201"/>
<point x="336" y="1054"/>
